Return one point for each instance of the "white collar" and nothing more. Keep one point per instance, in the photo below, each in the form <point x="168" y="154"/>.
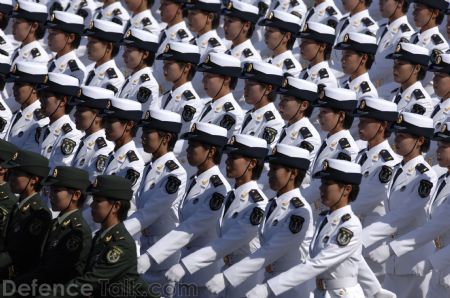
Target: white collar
<point x="89" y="141"/>
<point x="177" y="94"/>
<point x="335" y="217"/>
<point x="122" y="151"/>
<point x="56" y="126"/>
<point x="101" y="69"/>
<point x="356" y="82"/>
<point x="285" y="198"/>
<point x="314" y="69"/>
<point x="202" y="40"/>
<point x="240" y="47"/>
<point x="61" y="62"/>
<point x="242" y="191"/>
<point x="334" y="139"/>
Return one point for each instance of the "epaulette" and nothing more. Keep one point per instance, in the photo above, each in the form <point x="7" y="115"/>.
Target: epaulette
<point x="297" y="203"/>
<point x="304" y="131"/>
<point x="73" y="65"/>
<point x="111" y="73"/>
<point x="132" y="156"/>
<point x="344" y="143"/>
<point x="213" y="42"/>
<point x="146" y="22"/>
<point x="418" y="94"/>
<point x="421" y="168"/>
<point x="323" y="73"/>
<point x="367" y="22"/>
<point x="247" y="53"/>
<point x="188" y="95"/>
<point x="323" y="213"/>
<point x="182" y="34"/>
<point x="215" y="180"/>
<point x="404" y="28"/>
<point x="101" y="143"/>
<point x="365" y="87"/>
<point x="35" y="52"/>
<point x="171" y="165"/>
<point x="307" y="146"/>
<point x="418" y="109"/>
<point x="436" y="39"/>
<point x="256" y="196"/>
<point x="269" y="115"/>
<point x="288" y="63"/>
<point x="144" y="78"/>
<point x="385" y="155"/>
<point x="331" y="11"/>
<point x="117" y="12"/>
<point x="346" y="217"/>
<point x="228" y="106"/>
<point x="66" y="128"/>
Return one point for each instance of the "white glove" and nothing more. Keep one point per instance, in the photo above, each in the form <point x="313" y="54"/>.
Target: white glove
<point x="216" y="284"/>
<point x="380" y="254"/>
<point x="175" y="273"/>
<point x="143" y="263"/>
<point x="385" y="294"/>
<point x="260" y="291"/>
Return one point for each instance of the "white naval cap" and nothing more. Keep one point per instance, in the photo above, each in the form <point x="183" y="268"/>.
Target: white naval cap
<point x="66" y="21"/>
<point x="6" y="6"/>
<point x="410" y="52"/>
<point x="299" y="88"/>
<point x="442" y="133"/>
<point x="262" y="72"/>
<point x="141" y="39"/>
<point x="318" y="32"/>
<point x="28" y="72"/>
<point x="105" y="30"/>
<point x="340" y="171"/>
<point x="123" y="108"/>
<point x="442" y="5"/>
<point x="92" y="97"/>
<point x="358" y="42"/>
<point x="282" y="20"/>
<point x="162" y="120"/>
<point x="247" y="145"/>
<point x="377" y="108"/>
<point x="439" y="62"/>
<point x="289" y="156"/>
<point x="180" y="51"/>
<point x="61" y="84"/>
<point x="31" y="11"/>
<point x="241" y="10"/>
<point x="204" y="5"/>
<point x="221" y="63"/>
<point x="337" y="98"/>
<point x="414" y="124"/>
<point x="207" y="133"/>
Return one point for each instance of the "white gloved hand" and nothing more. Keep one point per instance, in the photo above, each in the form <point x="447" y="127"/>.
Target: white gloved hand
<point x="175" y="273"/>
<point x="383" y="293"/>
<point x="260" y="291"/>
<point x="143" y="263"/>
<point x="380" y="254"/>
<point x="216" y="284"/>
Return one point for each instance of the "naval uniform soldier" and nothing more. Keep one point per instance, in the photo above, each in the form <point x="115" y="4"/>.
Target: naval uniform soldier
<point x="5" y="112"/>
<point x="142" y="17"/>
<point x="162" y="188"/>
<point x="66" y="60"/>
<point x="113" y="12"/>
<point x="243" y="215"/>
<point x="30" y="119"/>
<point x="103" y="72"/>
<point x="94" y="149"/>
<point x="335" y="250"/>
<point x="411" y="96"/>
<point x="6" y="41"/>
<point x="325" y="12"/>
<point x="83" y="8"/>
<point x="60" y="139"/>
<point x="286" y="231"/>
<point x="411" y="189"/>
<point x="201" y="208"/>
<point x="32" y="13"/>
<point x="140" y="85"/>
<point x="121" y="117"/>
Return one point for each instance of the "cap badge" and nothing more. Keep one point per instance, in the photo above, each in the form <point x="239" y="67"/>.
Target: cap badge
<point x="362" y="105"/>
<point x="207" y="59"/>
<point x="194" y="127"/>
<point x="346" y="37"/>
<point x="95" y="183"/>
<point x="285" y="83"/>
<point x="108" y="104"/>
<point x="398" y="48"/>
<point x="55" y="173"/>
<point x="52" y="17"/>
<point x="167" y="48"/>
<point x="232" y="140"/>
<point x="91" y="25"/>
<point x="229" y="5"/>
<point x="248" y="67"/>
<point x="325" y="165"/>
<point x="270" y="16"/>
<point x="274" y="150"/>
<point x="443" y="127"/>
<point x="128" y="34"/>
<point x="400" y="119"/>
<point x="15" y="156"/>
<point x="147" y="115"/>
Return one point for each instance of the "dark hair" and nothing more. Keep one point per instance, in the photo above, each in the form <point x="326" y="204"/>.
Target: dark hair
<point x="82" y="199"/>
<point x="354" y="193"/>
<point x="134" y="128"/>
<point x="173" y="138"/>
<point x="150" y="59"/>
<point x="327" y="52"/>
<point x="291" y="41"/>
<point x="217" y="158"/>
<point x="422" y="73"/>
<point x="115" y="49"/>
<point x="150" y="3"/>
<point x="370" y="59"/>
<point x="4" y="21"/>
<point x="76" y="41"/>
<point x="216" y="20"/>
<point x="124" y="208"/>
<point x="256" y="174"/>
<point x="440" y="17"/>
<point x="348" y="120"/>
<point x="191" y="73"/>
<point x="367" y="2"/>
<point x="40" y="32"/>
<point x="426" y="145"/>
<point x="405" y="5"/>
<point x="250" y="30"/>
<point x="233" y="83"/>
<point x="299" y="178"/>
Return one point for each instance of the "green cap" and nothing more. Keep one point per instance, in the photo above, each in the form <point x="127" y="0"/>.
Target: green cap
<point x="69" y="177"/>
<point x="111" y="187"/>
<point x="30" y="162"/>
<point x="7" y="150"/>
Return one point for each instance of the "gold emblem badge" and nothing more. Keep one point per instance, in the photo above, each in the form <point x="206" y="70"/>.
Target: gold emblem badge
<point x="194" y="127"/>
<point x="346" y="37"/>
<point x="362" y="104"/>
<point x="229" y="5"/>
<point x="207" y="59"/>
<point x="232" y="140"/>
<point x="108" y="104"/>
<point x="285" y="83"/>
<point x="270" y="16"/>
<point x="167" y="48"/>
<point x="55" y="173"/>
<point x="398" y="48"/>
<point x="400" y="119"/>
<point x="128" y="34"/>
<point x="325" y="165"/>
<point x="15" y="156"/>
<point x="52" y="18"/>
<point x="443" y="127"/>
<point x="248" y="67"/>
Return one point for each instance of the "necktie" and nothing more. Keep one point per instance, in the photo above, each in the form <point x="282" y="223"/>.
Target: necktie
<point x="124" y="84"/>
<point x="283" y="135"/>
<point x="399" y="171"/>
<point x="18" y="116"/>
<point x="344" y="26"/>
<point x="193" y="182"/>
<point x="363" y="159"/>
<point x="147" y="170"/>
<point x="246" y="121"/>
<point x="324" y="144"/>
<point x="398" y="97"/>
<point x="305" y="75"/>
<point x="441" y="187"/>
<point x="90" y="77"/>
<point x="46" y="132"/>
<point x="162" y="38"/>
<point x="78" y="151"/>
<point x="167" y="100"/>
<point x="52" y="66"/>
<point x="127" y="26"/>
<point x="436" y="110"/>
<point x="346" y="86"/>
<point x="16" y="54"/>
<point x="309" y="15"/>
<point x="99" y="16"/>
<point x="206" y="111"/>
<point x="228" y="52"/>
<point x="416" y="38"/>
<point x="324" y="222"/>
<point x="230" y="199"/>
<point x="273" y="205"/>
<point x="384" y="32"/>
<point x="110" y="159"/>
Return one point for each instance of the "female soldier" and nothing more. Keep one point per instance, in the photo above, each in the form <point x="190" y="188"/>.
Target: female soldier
<point x="288" y="226"/>
<point x="335" y="249"/>
<point x="142" y="17"/>
<point x="201" y="207"/>
<point x="244" y="212"/>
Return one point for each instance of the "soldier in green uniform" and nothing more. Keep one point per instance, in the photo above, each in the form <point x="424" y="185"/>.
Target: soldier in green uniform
<point x="69" y="240"/>
<point x="30" y="219"/>
<point x="112" y="262"/>
<point x="7" y="198"/>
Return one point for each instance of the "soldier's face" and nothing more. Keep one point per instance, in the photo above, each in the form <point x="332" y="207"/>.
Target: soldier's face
<point x="443" y="154"/>
<point x="168" y="10"/>
<point x="309" y="49"/>
<point x="288" y="107"/>
<point x="20" y="29"/>
<point x="350" y="5"/>
<point x="422" y="14"/>
<point x="96" y="49"/>
<point x="330" y="192"/>
<point x="18" y="180"/>
<point x="197" y="153"/>
<point x="388" y="7"/>
<point x="133" y="57"/>
<point x="368" y="128"/>
<point x="253" y="92"/>
<point x="49" y="104"/>
<point x="197" y="20"/>
<point x="57" y="40"/>
<point x="60" y="198"/>
<point x="151" y="141"/>
<point x="272" y="37"/>
<point x="22" y="92"/>
<point x="441" y="84"/>
<point x="351" y="61"/>
<point x="134" y="5"/>
<point x="232" y="27"/>
<point x="403" y="71"/>
<point x="278" y="177"/>
<point x="328" y="119"/>
<point x="212" y="83"/>
<point x="172" y="70"/>
<point x="237" y="166"/>
<point x="405" y="143"/>
<point x="100" y="208"/>
<point x="84" y="117"/>
<point x="114" y="129"/>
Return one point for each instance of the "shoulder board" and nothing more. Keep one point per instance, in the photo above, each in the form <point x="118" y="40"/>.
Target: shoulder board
<point x="117" y="12"/>
<point x="146" y="22"/>
<point x="182" y="34"/>
<point x="343" y="156"/>
<point x="304" y="131"/>
<point x="73" y="65"/>
<point x="368" y="32"/>
<point x="35" y="52"/>
<point x="323" y="213"/>
<point x="346" y="217"/>
<point x="307" y="146"/>
<point x="117" y="20"/>
<point x="294" y="2"/>
<point x="367" y="22"/>
<point x="386" y="155"/>
<point x="67" y="128"/>
<point x="2" y="41"/>
<point x="75" y="222"/>
<point x="83" y="3"/>
<point x="215" y="180"/>
<point x="2" y="108"/>
<point x="228" y="106"/>
<point x="112" y="88"/>
<point x="323" y="73"/>
<point x="256" y="196"/>
<point x="297" y="203"/>
<point x="188" y="95"/>
<point x="101" y="143"/>
<point x="404" y="28"/>
<point x="331" y="11"/>
<point x="344" y="143"/>
<point x="296" y="13"/>
<point x="111" y="73"/>
<point x="436" y="39"/>
<point x="171" y="165"/>
<point x="247" y="52"/>
<point x="418" y="109"/>
<point x="421" y="168"/>
<point x="132" y="156"/>
<point x="269" y="115"/>
<point x="214" y="42"/>
<point x="365" y="87"/>
<point x="418" y="94"/>
<point x="332" y="22"/>
<point x="145" y="77"/>
<point x="403" y="39"/>
<point x="82" y="13"/>
<point x="39" y="114"/>
<point x="289" y="63"/>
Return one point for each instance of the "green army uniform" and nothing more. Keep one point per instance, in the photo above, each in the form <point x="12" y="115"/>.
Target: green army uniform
<point x="29" y="221"/>
<point x="69" y="241"/>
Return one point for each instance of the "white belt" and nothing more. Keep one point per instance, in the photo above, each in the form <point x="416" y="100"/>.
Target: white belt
<point x="333" y="284"/>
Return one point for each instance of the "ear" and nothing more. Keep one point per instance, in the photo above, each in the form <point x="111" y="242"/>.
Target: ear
<point x="364" y="59"/>
<point x="34" y="26"/>
<point x="145" y="55"/>
<point x="116" y="207"/>
<point x="304" y="105"/>
<point x="211" y="152"/>
<point x="252" y="164"/>
<point x="420" y="141"/>
<point x="287" y="37"/>
<point x="76" y="195"/>
<point x="347" y="189"/>
<point x="187" y="68"/>
<point x="246" y="27"/>
<point x="294" y="173"/>
<point x="269" y="89"/>
<point x="70" y="37"/>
